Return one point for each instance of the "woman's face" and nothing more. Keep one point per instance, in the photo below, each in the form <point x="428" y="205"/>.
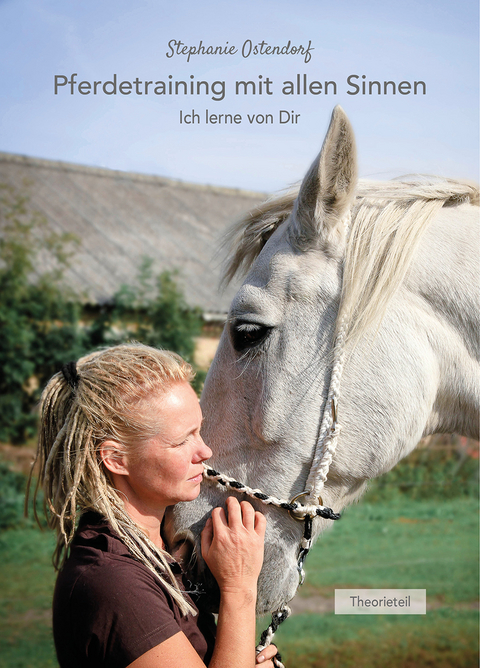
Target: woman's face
<point x="167" y="468"/>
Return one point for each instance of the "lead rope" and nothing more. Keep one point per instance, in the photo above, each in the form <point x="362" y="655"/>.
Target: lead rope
<point x="293" y="507"/>
<point x="284" y="612"/>
<point x="304" y="512"/>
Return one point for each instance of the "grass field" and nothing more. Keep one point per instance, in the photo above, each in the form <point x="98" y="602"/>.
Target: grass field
<point x="407" y="544"/>
<point x="26" y="585"/>
<point x="399" y="543"/>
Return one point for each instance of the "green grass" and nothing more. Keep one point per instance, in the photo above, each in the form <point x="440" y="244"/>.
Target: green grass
<point x="398" y="544"/>
<point x="402" y="543"/>
<point x="26" y="585"/>
<point x="443" y="638"/>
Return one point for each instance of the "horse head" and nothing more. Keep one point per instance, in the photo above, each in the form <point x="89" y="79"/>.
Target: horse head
<point x="334" y="254"/>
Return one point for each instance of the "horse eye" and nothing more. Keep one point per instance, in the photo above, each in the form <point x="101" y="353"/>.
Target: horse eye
<point x="247" y="335"/>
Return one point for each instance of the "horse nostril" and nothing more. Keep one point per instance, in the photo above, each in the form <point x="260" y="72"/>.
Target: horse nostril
<point x="182" y="549"/>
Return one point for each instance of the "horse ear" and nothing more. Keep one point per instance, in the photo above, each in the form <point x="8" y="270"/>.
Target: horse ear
<point x="328" y="189"/>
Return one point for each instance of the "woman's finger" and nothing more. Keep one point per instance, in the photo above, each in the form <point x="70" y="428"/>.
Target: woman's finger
<point x="219" y="518"/>
<point x="234" y="512"/>
<point x="260" y="523"/>
<point x="248" y="515"/>
<point x="267" y="653"/>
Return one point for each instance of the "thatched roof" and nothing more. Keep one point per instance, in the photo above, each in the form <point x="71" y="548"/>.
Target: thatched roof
<point x="122" y="217"/>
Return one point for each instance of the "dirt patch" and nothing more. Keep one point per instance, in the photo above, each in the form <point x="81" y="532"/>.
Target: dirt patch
<point x="44" y="616"/>
<point x="321" y="604"/>
<point x="316" y="604"/>
<point x="20" y="456"/>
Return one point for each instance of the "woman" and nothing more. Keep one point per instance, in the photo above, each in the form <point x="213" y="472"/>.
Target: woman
<point x="120" y="442"/>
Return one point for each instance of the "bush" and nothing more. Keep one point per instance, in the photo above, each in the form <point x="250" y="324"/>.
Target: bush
<point x="40" y="315"/>
<point x="428" y="473"/>
<point x="152" y="311"/>
<point x="12" y="500"/>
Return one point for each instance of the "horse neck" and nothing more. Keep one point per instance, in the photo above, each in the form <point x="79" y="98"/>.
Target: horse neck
<point x="443" y="287"/>
<point x="420" y="373"/>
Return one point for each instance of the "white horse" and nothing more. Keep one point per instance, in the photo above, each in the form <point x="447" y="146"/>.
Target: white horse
<point x="390" y="267"/>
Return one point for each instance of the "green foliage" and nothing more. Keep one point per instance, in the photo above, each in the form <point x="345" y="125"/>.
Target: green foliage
<point x="12" y="494"/>
<point x="12" y="499"/>
<point x="428" y="473"/>
<point x="152" y="310"/>
<point x="40" y="316"/>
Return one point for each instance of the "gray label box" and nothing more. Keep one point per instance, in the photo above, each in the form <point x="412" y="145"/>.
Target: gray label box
<point x="380" y="601"/>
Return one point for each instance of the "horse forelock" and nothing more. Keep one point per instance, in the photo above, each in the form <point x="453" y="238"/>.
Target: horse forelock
<point x="387" y="222"/>
<point x="245" y="240"/>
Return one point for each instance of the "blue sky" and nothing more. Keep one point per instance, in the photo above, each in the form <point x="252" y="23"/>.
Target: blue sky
<point x="434" y="42"/>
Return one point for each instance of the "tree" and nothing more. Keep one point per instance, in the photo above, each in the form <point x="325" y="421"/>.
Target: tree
<point x="156" y="310"/>
<point x="153" y="311"/>
<point x="40" y="316"/>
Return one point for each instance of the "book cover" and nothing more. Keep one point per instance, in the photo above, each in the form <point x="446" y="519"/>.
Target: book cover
<point x="217" y="106"/>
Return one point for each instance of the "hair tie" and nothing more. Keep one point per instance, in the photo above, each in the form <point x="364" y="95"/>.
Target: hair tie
<point x="70" y="374"/>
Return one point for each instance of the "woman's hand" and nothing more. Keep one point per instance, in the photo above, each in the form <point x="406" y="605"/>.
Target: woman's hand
<point x="265" y="657"/>
<point x="232" y="546"/>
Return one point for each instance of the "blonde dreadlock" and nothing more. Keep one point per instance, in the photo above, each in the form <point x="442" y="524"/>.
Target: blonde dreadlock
<point x="102" y="402"/>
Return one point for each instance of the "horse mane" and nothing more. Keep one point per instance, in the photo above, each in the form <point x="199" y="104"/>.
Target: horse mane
<point x="387" y="221"/>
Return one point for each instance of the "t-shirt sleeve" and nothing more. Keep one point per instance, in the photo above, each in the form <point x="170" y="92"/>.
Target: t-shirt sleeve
<point x="119" y="611"/>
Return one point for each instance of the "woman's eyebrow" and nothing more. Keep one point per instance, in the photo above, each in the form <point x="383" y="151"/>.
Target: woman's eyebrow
<point x="192" y="430"/>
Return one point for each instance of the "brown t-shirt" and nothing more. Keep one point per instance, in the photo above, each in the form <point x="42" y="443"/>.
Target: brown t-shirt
<point x="109" y="609"/>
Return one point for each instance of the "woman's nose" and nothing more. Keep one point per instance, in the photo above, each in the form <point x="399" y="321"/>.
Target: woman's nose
<point x="203" y="451"/>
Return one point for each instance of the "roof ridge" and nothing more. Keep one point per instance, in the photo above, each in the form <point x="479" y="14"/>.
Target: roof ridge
<point x="120" y="174"/>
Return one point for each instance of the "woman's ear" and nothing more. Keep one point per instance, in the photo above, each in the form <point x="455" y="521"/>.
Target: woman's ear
<point x="113" y="457"/>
